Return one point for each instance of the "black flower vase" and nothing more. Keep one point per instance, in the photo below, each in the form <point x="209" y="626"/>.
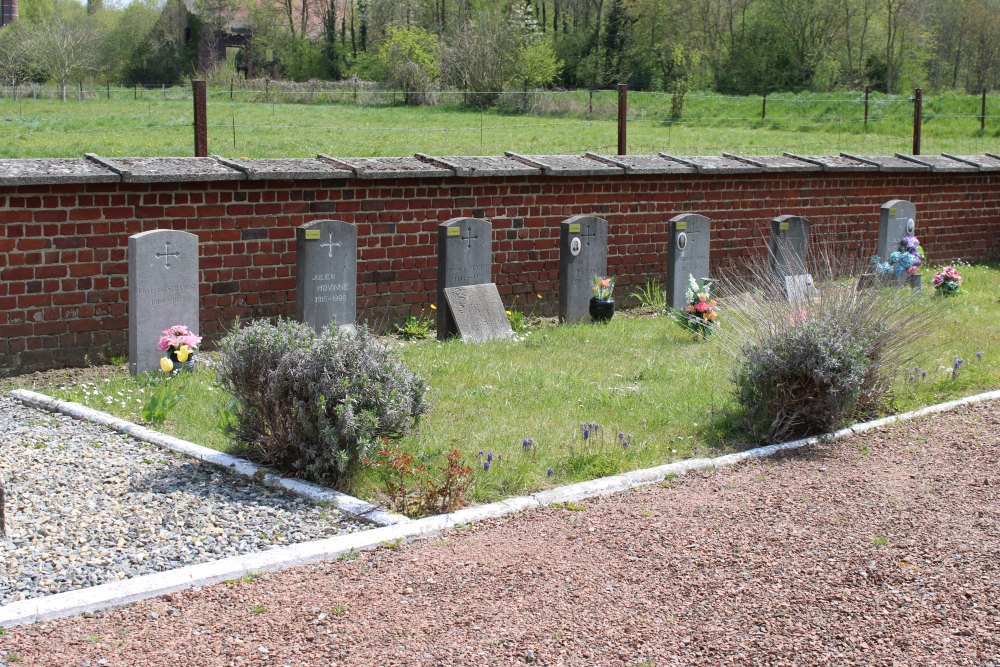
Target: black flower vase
<point x="182" y="366"/>
<point x="601" y="310"/>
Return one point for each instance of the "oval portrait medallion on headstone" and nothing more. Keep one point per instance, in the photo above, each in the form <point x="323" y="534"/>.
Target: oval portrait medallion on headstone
<point x="682" y="240"/>
<point x="911" y="226"/>
<point x="575" y="246"/>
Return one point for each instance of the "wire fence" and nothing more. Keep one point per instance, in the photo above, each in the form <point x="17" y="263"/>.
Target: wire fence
<point x="263" y="118"/>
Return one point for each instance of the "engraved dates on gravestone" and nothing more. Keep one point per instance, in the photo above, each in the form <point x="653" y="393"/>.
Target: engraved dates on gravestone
<point x="478" y="312"/>
<point x="583" y="253"/>
<point x="789" y="246"/>
<point x="326" y="274"/>
<point x="688" y="253"/>
<point x="897" y="218"/>
<point x="162" y="292"/>
<point x="465" y="257"/>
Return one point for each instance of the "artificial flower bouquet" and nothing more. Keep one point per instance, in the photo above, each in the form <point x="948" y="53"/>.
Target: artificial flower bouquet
<point x="180" y="344"/>
<point x="904" y="262"/>
<point x="947" y="281"/>
<point x="604" y="287"/>
<point x="701" y="314"/>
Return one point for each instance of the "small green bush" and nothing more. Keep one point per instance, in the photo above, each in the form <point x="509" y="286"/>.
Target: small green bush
<point x="315" y="403"/>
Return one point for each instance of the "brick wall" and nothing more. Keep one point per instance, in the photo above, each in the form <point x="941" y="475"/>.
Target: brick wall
<point x="63" y="265"/>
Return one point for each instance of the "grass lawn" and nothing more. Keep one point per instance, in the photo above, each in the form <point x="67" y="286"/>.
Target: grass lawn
<point x="160" y="124"/>
<point x="642" y="376"/>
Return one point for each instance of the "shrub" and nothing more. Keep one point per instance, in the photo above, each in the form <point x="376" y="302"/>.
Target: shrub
<point x="817" y="364"/>
<point x="315" y="403"/>
<point x="414" y="488"/>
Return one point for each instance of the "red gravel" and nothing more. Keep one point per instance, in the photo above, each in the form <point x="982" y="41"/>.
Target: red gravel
<point x="879" y="550"/>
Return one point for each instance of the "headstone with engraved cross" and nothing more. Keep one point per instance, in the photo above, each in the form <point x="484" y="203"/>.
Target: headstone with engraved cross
<point x="688" y="255"/>
<point x="789" y="257"/>
<point x="583" y="253"/>
<point x="465" y="257"/>
<point x="162" y="292"/>
<point x="326" y="274"/>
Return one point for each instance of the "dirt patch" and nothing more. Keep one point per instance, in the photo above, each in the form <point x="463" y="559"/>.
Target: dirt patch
<point x="883" y="549"/>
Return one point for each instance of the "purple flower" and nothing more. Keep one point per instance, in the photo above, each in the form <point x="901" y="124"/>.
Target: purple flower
<point x="979" y="355"/>
<point x="586" y="432"/>
<point x="621" y="435"/>
<point x="912" y="378"/>
<point x="486" y="466"/>
<point x="482" y="453"/>
<point x="489" y="457"/>
<point x="527" y="443"/>
<point x="958" y="363"/>
<point x="550" y="472"/>
<point x="954" y="372"/>
<point x="923" y="375"/>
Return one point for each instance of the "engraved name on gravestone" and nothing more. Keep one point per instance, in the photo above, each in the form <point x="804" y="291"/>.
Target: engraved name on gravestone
<point x="897" y="218"/>
<point x="583" y="253"/>
<point x="162" y="292"/>
<point x="326" y="274"/>
<point x="465" y="257"/>
<point x="478" y="312"/>
<point x="688" y="254"/>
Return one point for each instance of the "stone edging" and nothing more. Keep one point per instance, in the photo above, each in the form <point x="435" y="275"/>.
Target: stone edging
<point x="152" y="585"/>
<point x="356" y="507"/>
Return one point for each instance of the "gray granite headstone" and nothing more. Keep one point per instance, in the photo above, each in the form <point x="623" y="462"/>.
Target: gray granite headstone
<point x="465" y="257"/>
<point x="897" y="218"/>
<point x="583" y="253"/>
<point x="326" y="274"/>
<point x="800" y="288"/>
<point x="688" y="253"/>
<point x="478" y="312"/>
<point x="789" y="246"/>
<point x="162" y="292"/>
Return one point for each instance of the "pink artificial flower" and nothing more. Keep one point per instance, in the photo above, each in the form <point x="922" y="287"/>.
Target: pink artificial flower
<point x="701" y="307"/>
<point x="164" y="344"/>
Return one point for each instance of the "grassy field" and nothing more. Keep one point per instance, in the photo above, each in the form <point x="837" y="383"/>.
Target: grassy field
<point x="642" y="376"/>
<point x="152" y="123"/>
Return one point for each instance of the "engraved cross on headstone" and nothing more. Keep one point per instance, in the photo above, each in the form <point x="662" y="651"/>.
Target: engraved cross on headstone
<point x="589" y="233"/>
<point x="166" y="254"/>
<point x="330" y="245"/>
<point x="470" y="236"/>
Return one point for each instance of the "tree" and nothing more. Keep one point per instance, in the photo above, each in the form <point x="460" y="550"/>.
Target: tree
<point x="616" y="41"/>
<point x="409" y="57"/>
<point x="66" y="51"/>
<point x="16" y="64"/>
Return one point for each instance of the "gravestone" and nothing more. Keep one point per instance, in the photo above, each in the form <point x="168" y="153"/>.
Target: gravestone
<point x="326" y="274"/>
<point x="800" y="288"/>
<point x="478" y="312"/>
<point x="897" y="218"/>
<point x="465" y="257"/>
<point x="789" y="246"/>
<point x="162" y="292"/>
<point x="688" y="253"/>
<point x="583" y="253"/>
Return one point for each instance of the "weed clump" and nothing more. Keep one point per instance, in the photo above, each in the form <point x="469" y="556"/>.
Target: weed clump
<point x="315" y="404"/>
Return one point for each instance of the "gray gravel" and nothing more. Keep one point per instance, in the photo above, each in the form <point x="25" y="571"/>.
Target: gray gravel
<point x="87" y="506"/>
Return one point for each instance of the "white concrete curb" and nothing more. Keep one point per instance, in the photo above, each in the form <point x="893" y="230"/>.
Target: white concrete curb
<point x="240" y="466"/>
<point x="152" y="585"/>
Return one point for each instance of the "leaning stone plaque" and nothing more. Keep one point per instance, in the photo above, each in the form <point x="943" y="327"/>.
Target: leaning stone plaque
<point x="800" y="288"/>
<point x="326" y="274"/>
<point x="478" y="312"/>
<point x="583" y="253"/>
<point x="465" y="257"/>
<point x="897" y="218"/>
<point x="789" y="246"/>
<point x="688" y="255"/>
<point x="162" y="292"/>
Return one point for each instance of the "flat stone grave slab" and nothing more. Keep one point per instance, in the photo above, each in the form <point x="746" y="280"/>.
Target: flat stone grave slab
<point x="51" y="171"/>
<point x="583" y="253"/>
<point x="897" y="218"/>
<point x="168" y="169"/>
<point x="285" y="168"/>
<point x="465" y="257"/>
<point x="388" y="167"/>
<point x="479" y="313"/>
<point x="789" y="246"/>
<point x="326" y="277"/>
<point x="162" y="292"/>
<point x="644" y="164"/>
<point x="688" y="250"/>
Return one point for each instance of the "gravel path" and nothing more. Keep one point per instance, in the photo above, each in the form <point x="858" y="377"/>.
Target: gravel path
<point x="879" y="550"/>
<point x="87" y="505"/>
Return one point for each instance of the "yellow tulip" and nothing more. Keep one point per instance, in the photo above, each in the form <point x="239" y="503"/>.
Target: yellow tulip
<point x="166" y="365"/>
<point x="433" y="307"/>
<point x="183" y="353"/>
